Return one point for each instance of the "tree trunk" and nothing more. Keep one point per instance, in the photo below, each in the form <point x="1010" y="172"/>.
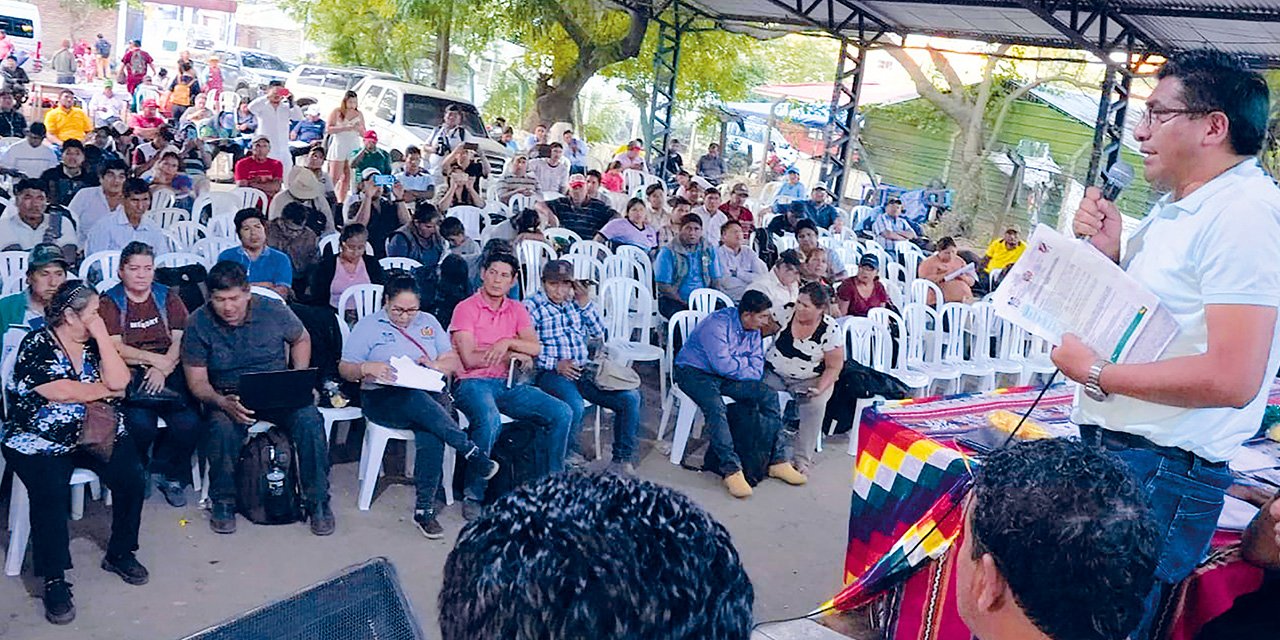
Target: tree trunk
<point x="442" y="51"/>
<point x="555" y="98"/>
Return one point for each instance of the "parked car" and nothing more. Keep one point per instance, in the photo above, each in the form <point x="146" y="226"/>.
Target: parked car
<point x="406" y="114"/>
<point x="247" y="71"/>
<point x="327" y="85"/>
<point x="20" y="21"/>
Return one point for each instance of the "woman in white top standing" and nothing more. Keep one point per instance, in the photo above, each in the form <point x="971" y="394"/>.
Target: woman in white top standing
<point x="345" y="127"/>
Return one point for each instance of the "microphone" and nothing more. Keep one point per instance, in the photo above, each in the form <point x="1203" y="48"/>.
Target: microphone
<point x="1115" y="180"/>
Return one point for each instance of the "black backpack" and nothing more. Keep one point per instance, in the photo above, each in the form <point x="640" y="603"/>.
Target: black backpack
<point x="522" y="455"/>
<point x="267" y="480"/>
<point x="752" y="443"/>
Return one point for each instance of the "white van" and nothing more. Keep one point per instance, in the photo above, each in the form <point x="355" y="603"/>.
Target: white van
<point x="406" y="114"/>
<point x="327" y="85"/>
<point x="20" y="21"/>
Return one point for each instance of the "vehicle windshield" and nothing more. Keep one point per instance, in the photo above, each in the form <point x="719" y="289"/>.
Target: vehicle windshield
<point x="15" y="26"/>
<point x="263" y="61"/>
<point x="428" y="111"/>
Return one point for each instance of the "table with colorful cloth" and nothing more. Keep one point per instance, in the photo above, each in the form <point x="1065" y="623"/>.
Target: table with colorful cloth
<point x="910" y="477"/>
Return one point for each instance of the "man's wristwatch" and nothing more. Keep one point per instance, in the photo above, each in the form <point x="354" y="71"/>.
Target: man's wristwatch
<point x="1092" y="386"/>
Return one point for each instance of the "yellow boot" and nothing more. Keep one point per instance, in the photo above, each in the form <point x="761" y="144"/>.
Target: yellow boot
<point x="737" y="485"/>
<point x="787" y="473"/>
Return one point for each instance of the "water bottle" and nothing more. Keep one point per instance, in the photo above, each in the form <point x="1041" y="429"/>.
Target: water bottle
<point x="275" y="475"/>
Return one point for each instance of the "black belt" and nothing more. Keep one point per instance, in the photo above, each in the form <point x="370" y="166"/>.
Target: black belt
<point x="1099" y="436"/>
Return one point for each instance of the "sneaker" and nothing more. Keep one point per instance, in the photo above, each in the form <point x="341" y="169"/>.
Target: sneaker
<point x="58" y="607"/>
<point x="174" y="492"/>
<point x="128" y="568"/>
<point x="787" y="473"/>
<point x="223" y="517"/>
<point x="485" y="466"/>
<point x="322" y="522"/>
<point x="428" y="525"/>
<point x="620" y="468"/>
<point x="471" y="510"/>
<point x="737" y="485"/>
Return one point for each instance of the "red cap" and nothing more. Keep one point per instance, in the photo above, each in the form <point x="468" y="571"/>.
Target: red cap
<point x="371" y="135"/>
<point x="150" y="102"/>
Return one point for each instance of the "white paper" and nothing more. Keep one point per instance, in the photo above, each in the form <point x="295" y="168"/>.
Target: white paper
<point x="967" y="268"/>
<point x="415" y="376"/>
<point x="1062" y="285"/>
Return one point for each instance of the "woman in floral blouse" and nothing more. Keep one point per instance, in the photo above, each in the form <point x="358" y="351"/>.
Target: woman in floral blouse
<point x="61" y="368"/>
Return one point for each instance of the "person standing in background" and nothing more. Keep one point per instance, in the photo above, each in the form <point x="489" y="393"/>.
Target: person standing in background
<point x="103" y="49"/>
<point x="64" y="64"/>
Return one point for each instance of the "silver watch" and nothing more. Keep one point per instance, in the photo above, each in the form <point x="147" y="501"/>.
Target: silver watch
<point x="1092" y="387"/>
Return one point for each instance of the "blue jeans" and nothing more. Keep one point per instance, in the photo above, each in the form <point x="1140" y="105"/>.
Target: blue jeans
<point x="625" y="405"/>
<point x="483" y="399"/>
<point x="1186" y="498"/>
<point x="433" y="427"/>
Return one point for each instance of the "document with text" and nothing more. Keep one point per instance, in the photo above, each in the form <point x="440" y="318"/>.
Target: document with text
<point x="1063" y="285"/>
<point x="415" y="376"/>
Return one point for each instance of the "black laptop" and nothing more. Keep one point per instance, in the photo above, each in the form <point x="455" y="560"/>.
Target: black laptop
<point x="271" y="390"/>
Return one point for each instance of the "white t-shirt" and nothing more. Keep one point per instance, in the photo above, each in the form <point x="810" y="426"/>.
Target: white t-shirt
<point x="1216" y="246"/>
<point x="31" y="161"/>
<point x="14" y="231"/>
<point x="89" y="206"/>
<point x="273" y="122"/>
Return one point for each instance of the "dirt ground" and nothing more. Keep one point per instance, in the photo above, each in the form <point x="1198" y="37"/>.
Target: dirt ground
<point x="791" y="540"/>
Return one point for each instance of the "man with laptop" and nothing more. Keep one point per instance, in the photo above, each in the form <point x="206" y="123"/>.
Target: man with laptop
<point x="246" y="358"/>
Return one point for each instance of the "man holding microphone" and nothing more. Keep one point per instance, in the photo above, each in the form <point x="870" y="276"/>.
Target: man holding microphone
<point x="1208" y="249"/>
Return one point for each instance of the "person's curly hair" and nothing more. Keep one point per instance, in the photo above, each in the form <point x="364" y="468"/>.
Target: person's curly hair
<point x="1071" y="532"/>
<point x="579" y="555"/>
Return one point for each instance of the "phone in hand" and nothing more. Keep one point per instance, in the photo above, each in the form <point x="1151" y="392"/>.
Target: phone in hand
<point x="384" y="180"/>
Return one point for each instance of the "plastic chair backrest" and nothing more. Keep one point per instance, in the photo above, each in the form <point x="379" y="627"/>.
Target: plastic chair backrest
<point x="519" y="202"/>
<point x="709" y="300"/>
<point x="896" y="273"/>
<point x="185" y="234"/>
<point x="589" y="247"/>
<point x="924" y="333"/>
<point x="170" y="216"/>
<point x="985" y="326"/>
<point x="11" y="285"/>
<point x="266" y="293"/>
<point x="405" y="264"/>
<point x="533" y="255"/>
<point x="621" y="297"/>
<point x="211" y="247"/>
<point x="858" y="339"/>
<point x="162" y="199"/>
<point x="13" y="263"/>
<point x="469" y="216"/>
<point x="627" y="265"/>
<point x="108" y="262"/>
<point x="632" y="179"/>
<point x="958" y="321"/>
<point x="785" y="241"/>
<point x="858" y="215"/>
<point x="367" y="297"/>
<point x="678" y="329"/>
<point x="247" y="197"/>
<point x="567" y="236"/>
<point x="105" y="284"/>
<point x="222" y="225"/>
<point x="886" y="319"/>
<point x="920" y="289"/>
<point x="177" y="259"/>
<point x="585" y="267"/>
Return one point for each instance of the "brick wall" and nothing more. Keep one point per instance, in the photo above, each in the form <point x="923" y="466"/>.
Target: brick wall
<point x="57" y="21"/>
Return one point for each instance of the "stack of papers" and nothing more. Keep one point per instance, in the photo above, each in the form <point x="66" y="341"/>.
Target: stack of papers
<point x="415" y="376"/>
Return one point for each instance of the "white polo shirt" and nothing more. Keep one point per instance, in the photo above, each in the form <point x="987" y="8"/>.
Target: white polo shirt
<point x="15" y="232"/>
<point x="1218" y="245"/>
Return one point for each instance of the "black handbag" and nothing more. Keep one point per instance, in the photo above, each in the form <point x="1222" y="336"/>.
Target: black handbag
<point x="137" y="395"/>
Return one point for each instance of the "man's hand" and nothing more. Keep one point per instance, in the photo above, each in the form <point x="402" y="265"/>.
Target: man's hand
<point x="397" y="189"/>
<point x="153" y="381"/>
<point x="232" y="407"/>
<point x="1099" y="219"/>
<point x="1074" y="358"/>
<point x="498" y="352"/>
<point x="371" y="190"/>
<point x="581" y="294"/>
<point x="568" y="369"/>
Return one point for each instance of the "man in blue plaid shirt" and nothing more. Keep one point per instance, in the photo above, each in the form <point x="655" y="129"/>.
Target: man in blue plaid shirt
<point x="565" y="320"/>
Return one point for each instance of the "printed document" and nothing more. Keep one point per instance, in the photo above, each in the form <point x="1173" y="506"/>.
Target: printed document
<point x="415" y="376"/>
<point x="1064" y="285"/>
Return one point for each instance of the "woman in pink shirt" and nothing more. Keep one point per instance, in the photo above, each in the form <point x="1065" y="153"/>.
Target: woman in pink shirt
<point x="335" y="273"/>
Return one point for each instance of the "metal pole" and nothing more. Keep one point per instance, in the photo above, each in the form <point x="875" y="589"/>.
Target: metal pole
<point x="666" y="63"/>
<point x="842" y="124"/>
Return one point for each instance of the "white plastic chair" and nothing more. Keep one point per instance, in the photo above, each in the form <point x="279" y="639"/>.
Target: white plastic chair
<point x="589" y="247"/>
<point x="210" y="248"/>
<point x="367" y="298"/>
<point x="708" y="300"/>
<point x="105" y="284"/>
<point x="11" y="285"/>
<point x="470" y="217"/>
<point x="405" y="264"/>
<point x="20" y="516"/>
<point x="630" y="264"/>
<point x="920" y="289"/>
<point x="585" y="267"/>
<point x="177" y="259"/>
<point x="860" y="346"/>
<point x="533" y="255"/>
<point x="220" y="203"/>
<point x="679" y="328"/>
<point x="896" y="273"/>
<point x="923" y="325"/>
<point x="249" y="197"/>
<point x="994" y="329"/>
<point x="13" y="263"/>
<point x="162" y="199"/>
<point x="266" y="293"/>
<point x="517" y="203"/>
<point x="633" y="179"/>
<point x="628" y="310"/>
<point x="168" y="216"/>
<point x="222" y="226"/>
<point x="960" y="322"/>
<point x="107" y="262"/>
<point x="566" y="236"/>
<point x="330" y="242"/>
<point x="185" y="234"/>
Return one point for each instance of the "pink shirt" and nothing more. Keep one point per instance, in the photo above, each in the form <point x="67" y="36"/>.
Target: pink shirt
<point x="343" y="279"/>
<point x="488" y="326"/>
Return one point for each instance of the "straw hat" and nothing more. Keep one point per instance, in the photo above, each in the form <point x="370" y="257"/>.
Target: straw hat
<point x="304" y="185"/>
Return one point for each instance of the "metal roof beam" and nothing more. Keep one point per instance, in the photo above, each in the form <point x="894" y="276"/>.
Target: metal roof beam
<point x="1103" y="47"/>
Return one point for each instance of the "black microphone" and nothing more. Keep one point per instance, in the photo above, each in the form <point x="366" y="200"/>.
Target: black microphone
<point x="1115" y="180"/>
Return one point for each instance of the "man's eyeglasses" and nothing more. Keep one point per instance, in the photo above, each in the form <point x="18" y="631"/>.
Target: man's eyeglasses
<point x="1157" y="115"/>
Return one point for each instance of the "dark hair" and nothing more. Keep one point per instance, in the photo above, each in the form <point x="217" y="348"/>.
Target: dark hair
<point x="578" y="555"/>
<point x="501" y="256"/>
<point x="593" y="173"/>
<point x="649" y="190"/>
<point x="818" y="294"/>
<point x="710" y="190"/>
<point x="729" y="223"/>
<point x="633" y="202"/>
<point x="945" y="243"/>
<point x="1218" y="81"/>
<point x="412" y="149"/>
<point x="527" y="220"/>
<point x="1013" y="231"/>
<point x="295" y="212"/>
<point x="679" y="201"/>
<point x="114" y="164"/>
<point x="1070" y="531"/>
<point x="426" y="212"/>
<point x="248" y="213"/>
<point x="37" y="128"/>
<point x="31" y="183"/>
<point x="276" y="83"/>
<point x="227" y="275"/>
<point x="397" y="285"/>
<point x="171" y="154"/>
<point x="754" y="302"/>
<point x="805" y="223"/>
<point x="66" y="92"/>
<point x="347" y="96"/>
<point x="73" y="295"/>
<point x="691" y="218"/>
<point x="72" y="144"/>
<point x="556" y="145"/>
<point x="135" y="186"/>
<point x="790" y="258"/>
<point x="136" y="248"/>
<point x="612" y="165"/>
<point x="352" y="230"/>
<point x="452" y="226"/>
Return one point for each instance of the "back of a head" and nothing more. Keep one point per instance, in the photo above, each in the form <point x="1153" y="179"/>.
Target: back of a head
<point x="603" y="557"/>
<point x="1071" y="533"/>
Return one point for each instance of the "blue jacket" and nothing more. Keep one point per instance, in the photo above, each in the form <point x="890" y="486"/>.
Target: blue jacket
<point x="720" y="345"/>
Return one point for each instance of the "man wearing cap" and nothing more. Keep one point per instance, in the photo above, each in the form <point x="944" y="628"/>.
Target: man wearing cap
<point x="782" y="286"/>
<point x="892" y="226"/>
<point x="93" y="204"/>
<point x="31" y="157"/>
<point x="552" y="172"/>
<point x="107" y="104"/>
<point x="741" y="265"/>
<point x="310" y="128"/>
<point x="631" y="158"/>
<point x="34" y="224"/>
<point x="259" y="170"/>
<point x="136" y="65"/>
<point x="148" y="123"/>
<point x="379" y="209"/>
<point x="128" y="226"/>
<point x="567" y="324"/>
<point x="12" y="122"/>
<point x="685" y="264"/>
<point x="275" y="112"/>
<point x="66" y="121"/>
<point x="817" y="208"/>
<point x="371" y="157"/>
<point x="736" y="208"/>
<point x="303" y="187"/>
<point x="24" y="311"/>
<point x="711" y="165"/>
<point x="70" y="176"/>
<point x="578" y="213"/>
<point x="792" y="190"/>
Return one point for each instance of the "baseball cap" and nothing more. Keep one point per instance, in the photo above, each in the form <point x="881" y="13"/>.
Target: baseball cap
<point x="557" y="271"/>
<point x="369" y="172"/>
<point x="793" y="170"/>
<point x="44" y="254"/>
<point x="740" y="188"/>
<point x="869" y="260"/>
<point x="311" y="110"/>
<point x="261" y="136"/>
<point x="150" y="102"/>
<point x="108" y="82"/>
<point x="371" y="135"/>
<point x="577" y="179"/>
